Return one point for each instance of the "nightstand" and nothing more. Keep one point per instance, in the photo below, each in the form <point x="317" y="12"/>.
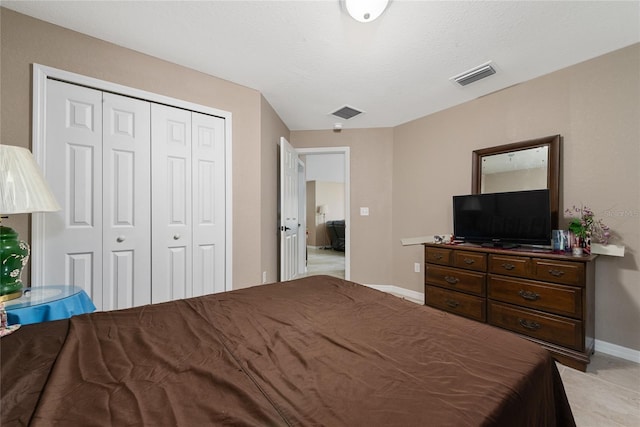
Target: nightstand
<point x="46" y="303"/>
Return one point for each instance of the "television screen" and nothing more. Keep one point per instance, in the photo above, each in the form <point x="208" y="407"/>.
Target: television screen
<point x="503" y="219"/>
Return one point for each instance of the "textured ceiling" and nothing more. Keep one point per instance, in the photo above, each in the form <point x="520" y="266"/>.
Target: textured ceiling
<point x="309" y="58"/>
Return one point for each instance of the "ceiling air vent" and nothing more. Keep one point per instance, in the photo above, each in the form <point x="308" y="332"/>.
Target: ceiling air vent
<point x="346" y="112"/>
<point x="474" y="74"/>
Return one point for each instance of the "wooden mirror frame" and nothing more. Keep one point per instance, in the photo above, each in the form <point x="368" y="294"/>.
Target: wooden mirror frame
<point x="553" y="168"/>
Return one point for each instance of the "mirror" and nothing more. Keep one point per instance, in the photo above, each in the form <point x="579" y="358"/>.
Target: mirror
<point x="526" y="165"/>
<point x="515" y="171"/>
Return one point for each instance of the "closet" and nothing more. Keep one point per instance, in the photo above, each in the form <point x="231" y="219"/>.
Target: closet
<point x="142" y="190"/>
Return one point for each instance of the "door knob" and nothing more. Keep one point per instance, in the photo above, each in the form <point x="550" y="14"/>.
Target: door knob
<point x="120" y="239"/>
<point x="176" y="236"/>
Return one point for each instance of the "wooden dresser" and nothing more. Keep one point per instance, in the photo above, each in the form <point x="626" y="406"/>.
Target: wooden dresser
<point x="547" y="298"/>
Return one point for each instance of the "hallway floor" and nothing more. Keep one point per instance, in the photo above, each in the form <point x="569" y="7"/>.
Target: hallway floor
<point x="324" y="261"/>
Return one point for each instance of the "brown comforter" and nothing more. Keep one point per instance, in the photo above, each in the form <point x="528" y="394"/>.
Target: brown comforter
<point x="315" y="351"/>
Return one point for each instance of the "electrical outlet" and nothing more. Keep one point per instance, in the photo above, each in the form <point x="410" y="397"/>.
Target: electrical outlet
<point x="416" y="267"/>
<point x="364" y="211"/>
<point x="264" y="277"/>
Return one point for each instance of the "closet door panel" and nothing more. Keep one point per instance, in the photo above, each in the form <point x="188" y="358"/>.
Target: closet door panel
<point x="119" y="271"/>
<point x="205" y="269"/>
<point x="178" y="189"/>
<point x="208" y="204"/>
<point x="126" y="200"/>
<point x="73" y="169"/>
<point x="179" y="273"/>
<point x="172" y="262"/>
<point x="79" y="268"/>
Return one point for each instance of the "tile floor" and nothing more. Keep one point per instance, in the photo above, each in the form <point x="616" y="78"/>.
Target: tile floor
<point x="325" y="261"/>
<point x="607" y="395"/>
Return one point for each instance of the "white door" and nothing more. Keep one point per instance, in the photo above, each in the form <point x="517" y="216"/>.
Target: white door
<point x="302" y="217"/>
<point x="171" y="203"/>
<point x="126" y="202"/>
<point x="73" y="165"/>
<point x="208" y="165"/>
<point x="289" y="229"/>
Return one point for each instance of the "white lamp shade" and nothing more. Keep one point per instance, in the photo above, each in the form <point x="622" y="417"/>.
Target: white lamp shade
<point x="22" y="186"/>
<point x="365" y="10"/>
<point x="323" y="209"/>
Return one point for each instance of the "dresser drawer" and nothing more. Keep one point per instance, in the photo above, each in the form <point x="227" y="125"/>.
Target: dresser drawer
<point x="571" y="273"/>
<point x="509" y="265"/>
<point x="438" y="256"/>
<point x="557" y="299"/>
<point x="456" y="302"/>
<point x="547" y="327"/>
<point x="470" y="260"/>
<point x="456" y="279"/>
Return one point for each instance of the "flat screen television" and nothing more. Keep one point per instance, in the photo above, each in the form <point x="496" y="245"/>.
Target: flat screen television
<point x="503" y="219"/>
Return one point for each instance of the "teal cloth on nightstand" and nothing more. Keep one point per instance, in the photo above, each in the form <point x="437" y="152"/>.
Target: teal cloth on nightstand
<point x="47" y="303"/>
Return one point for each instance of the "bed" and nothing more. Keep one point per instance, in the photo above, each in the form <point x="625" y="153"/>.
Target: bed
<point x="314" y="351"/>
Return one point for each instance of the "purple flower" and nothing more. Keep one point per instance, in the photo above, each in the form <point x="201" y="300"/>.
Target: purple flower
<point x="584" y="224"/>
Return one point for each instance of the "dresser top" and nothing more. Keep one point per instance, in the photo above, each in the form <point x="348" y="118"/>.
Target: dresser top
<point x="517" y="251"/>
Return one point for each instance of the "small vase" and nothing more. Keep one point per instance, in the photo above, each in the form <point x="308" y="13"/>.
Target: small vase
<point x="585" y="243"/>
<point x="577" y="245"/>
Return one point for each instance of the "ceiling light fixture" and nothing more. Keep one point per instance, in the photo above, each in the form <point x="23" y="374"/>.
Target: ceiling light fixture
<point x="365" y="10"/>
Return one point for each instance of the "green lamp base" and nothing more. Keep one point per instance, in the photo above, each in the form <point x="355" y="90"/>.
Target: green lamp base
<point x="14" y="255"/>
<point x="9" y="297"/>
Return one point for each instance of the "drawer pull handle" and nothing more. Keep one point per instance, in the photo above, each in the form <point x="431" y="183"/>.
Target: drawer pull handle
<point x="469" y="261"/>
<point x="451" y="280"/>
<point x="528" y="295"/>
<point x="508" y="266"/>
<point x="437" y="256"/>
<point x="556" y="273"/>
<point x="452" y="303"/>
<point x="529" y="324"/>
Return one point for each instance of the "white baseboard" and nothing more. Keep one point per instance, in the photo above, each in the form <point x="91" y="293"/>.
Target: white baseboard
<point x="418" y="296"/>
<point x="600" y="346"/>
<point x="617" y="351"/>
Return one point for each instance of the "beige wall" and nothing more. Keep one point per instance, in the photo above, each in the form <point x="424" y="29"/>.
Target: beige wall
<point x="26" y="40"/>
<point x="371" y="153"/>
<point x="332" y="195"/>
<point x="595" y="106"/>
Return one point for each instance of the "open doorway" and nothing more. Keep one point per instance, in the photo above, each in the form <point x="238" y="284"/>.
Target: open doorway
<point x="327" y="211"/>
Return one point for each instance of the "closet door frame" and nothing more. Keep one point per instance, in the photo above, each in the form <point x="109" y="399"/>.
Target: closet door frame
<point x="41" y="75"/>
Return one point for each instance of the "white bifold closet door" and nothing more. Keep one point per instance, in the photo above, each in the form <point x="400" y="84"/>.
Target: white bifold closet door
<point x="98" y="163"/>
<point x="126" y="232"/>
<point x="188" y="210"/>
<point x="142" y="190"/>
<point x="172" y="224"/>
